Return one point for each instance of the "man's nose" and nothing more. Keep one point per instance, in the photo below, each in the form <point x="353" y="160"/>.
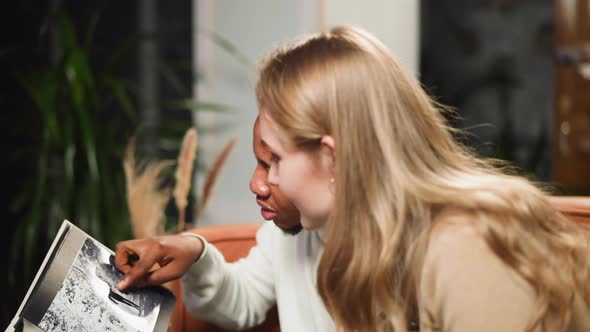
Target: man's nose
<point x="259" y="185"/>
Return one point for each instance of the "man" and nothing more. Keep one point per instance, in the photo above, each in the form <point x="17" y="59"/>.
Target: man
<point x="280" y="269"/>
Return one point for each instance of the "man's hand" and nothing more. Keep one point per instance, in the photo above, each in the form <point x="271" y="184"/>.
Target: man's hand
<point x="137" y="258"/>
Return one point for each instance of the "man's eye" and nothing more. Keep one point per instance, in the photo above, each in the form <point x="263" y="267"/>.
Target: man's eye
<point x="264" y="165"/>
<point x="274" y="158"/>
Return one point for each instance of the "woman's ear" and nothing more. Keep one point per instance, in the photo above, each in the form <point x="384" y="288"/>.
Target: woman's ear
<point x="329" y="142"/>
<point x="328" y="160"/>
<point x="329" y="150"/>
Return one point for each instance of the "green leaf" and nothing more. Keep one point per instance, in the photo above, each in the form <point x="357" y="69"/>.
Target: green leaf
<point x="42" y="88"/>
<point x="80" y="79"/>
<point x="70" y="175"/>
<point x="198" y="106"/>
<point x="87" y="129"/>
<point x="68" y="39"/>
<point x="93" y="22"/>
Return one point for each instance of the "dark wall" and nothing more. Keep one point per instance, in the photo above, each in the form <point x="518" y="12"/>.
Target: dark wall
<point x="493" y="61"/>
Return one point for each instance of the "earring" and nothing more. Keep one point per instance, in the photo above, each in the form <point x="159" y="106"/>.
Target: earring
<point x="332" y="186"/>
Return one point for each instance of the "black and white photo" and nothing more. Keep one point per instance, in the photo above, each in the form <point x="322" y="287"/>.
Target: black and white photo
<point x="88" y="300"/>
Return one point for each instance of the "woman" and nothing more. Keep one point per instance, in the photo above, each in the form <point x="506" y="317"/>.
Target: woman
<point x="418" y="231"/>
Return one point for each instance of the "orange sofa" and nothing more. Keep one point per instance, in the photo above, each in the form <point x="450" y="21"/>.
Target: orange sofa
<point x="234" y="241"/>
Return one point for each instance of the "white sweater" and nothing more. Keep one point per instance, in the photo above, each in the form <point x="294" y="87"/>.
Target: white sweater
<point x="280" y="269"/>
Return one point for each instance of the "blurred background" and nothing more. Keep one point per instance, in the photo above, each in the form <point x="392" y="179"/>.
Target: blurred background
<point x="79" y="79"/>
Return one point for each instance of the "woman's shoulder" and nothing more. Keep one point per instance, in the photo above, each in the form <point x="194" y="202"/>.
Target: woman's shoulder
<point x="456" y="247"/>
<point x="463" y="280"/>
<point x="456" y="235"/>
<point x="453" y="228"/>
<point x="465" y="283"/>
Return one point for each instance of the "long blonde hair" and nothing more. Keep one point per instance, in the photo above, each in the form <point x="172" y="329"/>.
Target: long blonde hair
<point x="397" y="164"/>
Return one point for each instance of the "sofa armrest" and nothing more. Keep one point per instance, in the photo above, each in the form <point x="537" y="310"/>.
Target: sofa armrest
<point x="576" y="208"/>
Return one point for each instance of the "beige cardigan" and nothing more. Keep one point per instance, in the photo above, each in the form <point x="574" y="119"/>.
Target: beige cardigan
<point x="465" y="287"/>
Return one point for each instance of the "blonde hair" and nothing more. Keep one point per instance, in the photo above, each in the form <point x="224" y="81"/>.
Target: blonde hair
<point x="397" y="165"/>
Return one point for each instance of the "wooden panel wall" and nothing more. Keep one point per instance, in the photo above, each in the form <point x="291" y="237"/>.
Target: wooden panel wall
<point x="571" y="128"/>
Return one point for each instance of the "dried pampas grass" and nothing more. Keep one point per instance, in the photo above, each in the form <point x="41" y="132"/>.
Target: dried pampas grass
<point x="146" y="198"/>
<point x="213" y="175"/>
<point x="184" y="171"/>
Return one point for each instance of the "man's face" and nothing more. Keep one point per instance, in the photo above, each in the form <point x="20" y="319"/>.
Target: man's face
<point x="274" y="205"/>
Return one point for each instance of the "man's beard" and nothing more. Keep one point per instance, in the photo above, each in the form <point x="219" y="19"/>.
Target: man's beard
<point x="292" y="230"/>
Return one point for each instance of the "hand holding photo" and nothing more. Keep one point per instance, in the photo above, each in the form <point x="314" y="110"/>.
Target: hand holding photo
<point x="75" y="291"/>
